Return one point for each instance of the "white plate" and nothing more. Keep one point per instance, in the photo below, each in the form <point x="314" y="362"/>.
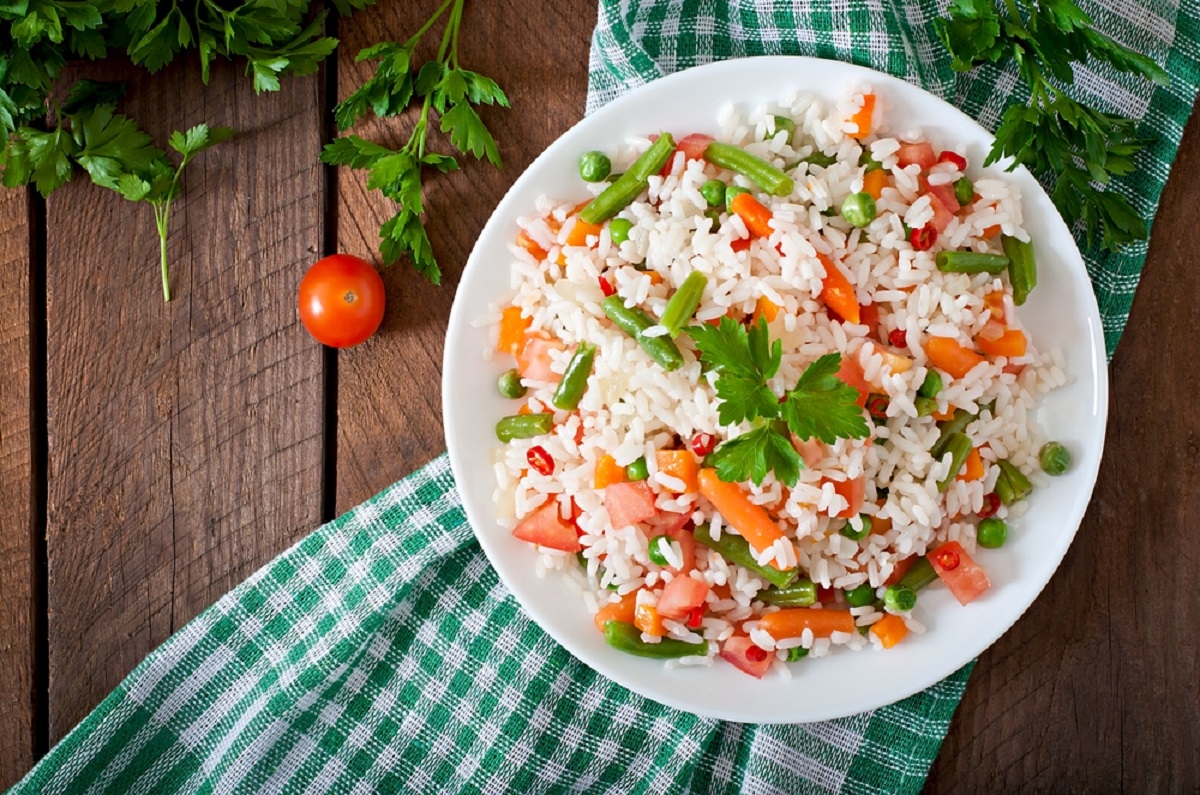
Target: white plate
<point x="1061" y="312"/>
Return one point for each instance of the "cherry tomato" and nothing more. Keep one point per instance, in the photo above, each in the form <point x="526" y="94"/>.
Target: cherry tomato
<point x="341" y="300"/>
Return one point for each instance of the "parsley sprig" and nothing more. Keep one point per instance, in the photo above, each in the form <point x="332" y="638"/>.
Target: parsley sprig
<point x="440" y="85"/>
<point x="820" y="405"/>
<point x="1078" y="148"/>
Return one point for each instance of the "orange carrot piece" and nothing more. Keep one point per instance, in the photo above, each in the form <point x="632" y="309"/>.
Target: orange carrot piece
<point x="947" y="354"/>
<point x="512" y="330"/>
<point x="994" y="301"/>
<point x="942" y="416"/>
<point x="680" y="464"/>
<point x="765" y="308"/>
<point x="607" y="472"/>
<point x="529" y="244"/>
<point x="862" y="119"/>
<point x="991" y="231"/>
<point x="890" y="630"/>
<point x="874" y="182"/>
<point x="655" y="277"/>
<point x="1011" y="343"/>
<point x="581" y="231"/>
<point x="792" y="622"/>
<point x="753" y="213"/>
<point x="972" y="468"/>
<point x="749" y="519"/>
<point x="647" y="619"/>
<point x="618" y="611"/>
<point x="837" y="293"/>
<point x="880" y="525"/>
<point x="525" y="409"/>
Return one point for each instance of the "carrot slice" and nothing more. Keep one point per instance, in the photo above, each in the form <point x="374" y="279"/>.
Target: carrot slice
<point x="947" y="354"/>
<point x="679" y="464"/>
<point x="972" y="468"/>
<point x="529" y="244"/>
<point x="607" y="471"/>
<point x="581" y="231"/>
<point x="512" y="330"/>
<point x="756" y="216"/>
<point x="991" y="231"/>
<point x="862" y="119"/>
<point x="890" y="630"/>
<point x="837" y="293"/>
<point x="765" y="308"/>
<point x="1011" y="343"/>
<point x="749" y="519"/>
<point x="647" y="619"/>
<point x="792" y="622"/>
<point x="994" y="301"/>
<point x="874" y="182"/>
<point x="618" y="611"/>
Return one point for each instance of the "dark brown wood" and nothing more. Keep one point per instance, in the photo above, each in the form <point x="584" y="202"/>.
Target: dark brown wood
<point x="1096" y="688"/>
<point x="389" y="389"/>
<point x="16" y="494"/>
<point x="185" y="439"/>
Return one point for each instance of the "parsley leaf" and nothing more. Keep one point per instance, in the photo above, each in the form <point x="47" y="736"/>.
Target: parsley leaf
<point x="752" y="455"/>
<point x="1075" y="149"/>
<point x="823" y="405"/>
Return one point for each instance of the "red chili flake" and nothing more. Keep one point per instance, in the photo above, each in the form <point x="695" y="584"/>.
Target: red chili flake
<point x="540" y="461"/>
<point x="696" y="616"/>
<point x="756" y="654"/>
<point x="947" y="559"/>
<point x="741" y="244"/>
<point x="877" y="406"/>
<point x="923" y="239"/>
<point x="958" y="160"/>
<point x="703" y="444"/>
<point x="606" y="286"/>
<point x="898" y="337"/>
<point x="991" y="504"/>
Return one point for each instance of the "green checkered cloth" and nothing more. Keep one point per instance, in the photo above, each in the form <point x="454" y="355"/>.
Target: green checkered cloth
<point x="381" y="654"/>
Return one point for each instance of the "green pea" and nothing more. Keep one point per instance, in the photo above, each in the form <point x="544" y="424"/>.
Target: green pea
<point x="1054" y="458"/>
<point x="868" y="161"/>
<point x="637" y="470"/>
<point x="991" y="533"/>
<point x="819" y="158"/>
<point x="618" y="230"/>
<point x="714" y="216"/>
<point x="731" y="192"/>
<point x="785" y="124"/>
<point x="900" y="597"/>
<point x="859" y="209"/>
<point x="964" y="191"/>
<point x="932" y="384"/>
<point x="594" y="166"/>
<point x="510" y="385"/>
<point x="861" y="596"/>
<point x="857" y="535"/>
<point x="713" y="192"/>
<point x="796" y="653"/>
<point x="656" y="550"/>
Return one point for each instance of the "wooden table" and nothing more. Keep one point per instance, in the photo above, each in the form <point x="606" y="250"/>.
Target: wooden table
<point x="153" y="455"/>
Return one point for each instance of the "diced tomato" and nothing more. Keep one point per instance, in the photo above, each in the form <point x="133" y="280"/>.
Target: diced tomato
<point x="853" y="492"/>
<point x="966" y="579"/>
<point x="681" y="596"/>
<point x="900" y="568"/>
<point x="811" y="450"/>
<point x="922" y="154"/>
<point x="675" y="525"/>
<point x="942" y="214"/>
<point x="629" y="503"/>
<point x="945" y="194"/>
<point x="741" y="244"/>
<point x="868" y="315"/>
<point x="547" y="528"/>
<point x="737" y="651"/>
<point x="533" y="362"/>
<point x="693" y="145"/>
<point x="851" y="373"/>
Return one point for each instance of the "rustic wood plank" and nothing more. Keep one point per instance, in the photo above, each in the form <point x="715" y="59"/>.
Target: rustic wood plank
<point x="389" y="389"/>
<point x="1094" y="690"/>
<point x="16" y="495"/>
<point x="185" y="439"/>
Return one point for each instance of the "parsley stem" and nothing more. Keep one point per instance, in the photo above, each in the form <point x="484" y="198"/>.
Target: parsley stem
<point x="1015" y="13"/>
<point x="162" y="215"/>
<point x="412" y="41"/>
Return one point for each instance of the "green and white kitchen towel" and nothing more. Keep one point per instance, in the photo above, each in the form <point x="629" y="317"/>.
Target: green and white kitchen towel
<point x="381" y="654"/>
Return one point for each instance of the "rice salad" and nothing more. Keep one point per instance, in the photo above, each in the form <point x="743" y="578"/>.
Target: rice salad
<point x="868" y="280"/>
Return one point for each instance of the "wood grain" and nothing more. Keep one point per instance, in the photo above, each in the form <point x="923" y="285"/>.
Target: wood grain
<point x="16" y="496"/>
<point x="1095" y="689"/>
<point x="185" y="444"/>
<point x="389" y="390"/>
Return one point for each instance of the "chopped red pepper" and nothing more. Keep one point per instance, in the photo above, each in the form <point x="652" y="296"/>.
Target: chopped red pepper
<point x="947" y="559"/>
<point x="756" y="654"/>
<point x="703" y="444"/>
<point x="540" y="460"/>
<point x="991" y="504"/>
<point x="958" y="160"/>
<point x="923" y="239"/>
<point x="696" y="617"/>
<point x="898" y="337"/>
<point x="606" y="287"/>
<point x="877" y="406"/>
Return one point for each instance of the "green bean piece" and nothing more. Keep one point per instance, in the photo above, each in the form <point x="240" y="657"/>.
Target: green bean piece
<point x="796" y="653"/>
<point x="633" y="321"/>
<point x="802" y="593"/>
<point x="1022" y="269"/>
<point x="919" y="574"/>
<point x="755" y="169"/>
<point x="581" y="559"/>
<point x="931" y="387"/>
<point x="861" y="596"/>
<point x="900" y="597"/>
<point x="862" y="532"/>
<point x="868" y="161"/>
<point x="713" y="192"/>
<point x="575" y="378"/>
<point x="784" y="124"/>
<point x="510" y="385"/>
<point x="1012" y="485"/>
<point x="956" y="424"/>
<point x="859" y="209"/>
<point x="736" y="550"/>
<point x="594" y="166"/>
<point x="959" y="447"/>
<point x="819" y="158"/>
<point x="731" y="192"/>
<point x="618" y="230"/>
<point x="1054" y="458"/>
<point x="654" y="550"/>
<point x="925" y="406"/>
<point x="682" y="305"/>
<point x="971" y="262"/>
<point x="622" y="192"/>
<point x="524" y="426"/>
<point x="628" y="638"/>
<point x="964" y="191"/>
<point x="991" y="533"/>
<point x="637" y="470"/>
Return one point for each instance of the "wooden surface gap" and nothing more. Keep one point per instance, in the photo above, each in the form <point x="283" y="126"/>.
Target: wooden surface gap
<point x="38" y="458"/>
<point x="329" y="245"/>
